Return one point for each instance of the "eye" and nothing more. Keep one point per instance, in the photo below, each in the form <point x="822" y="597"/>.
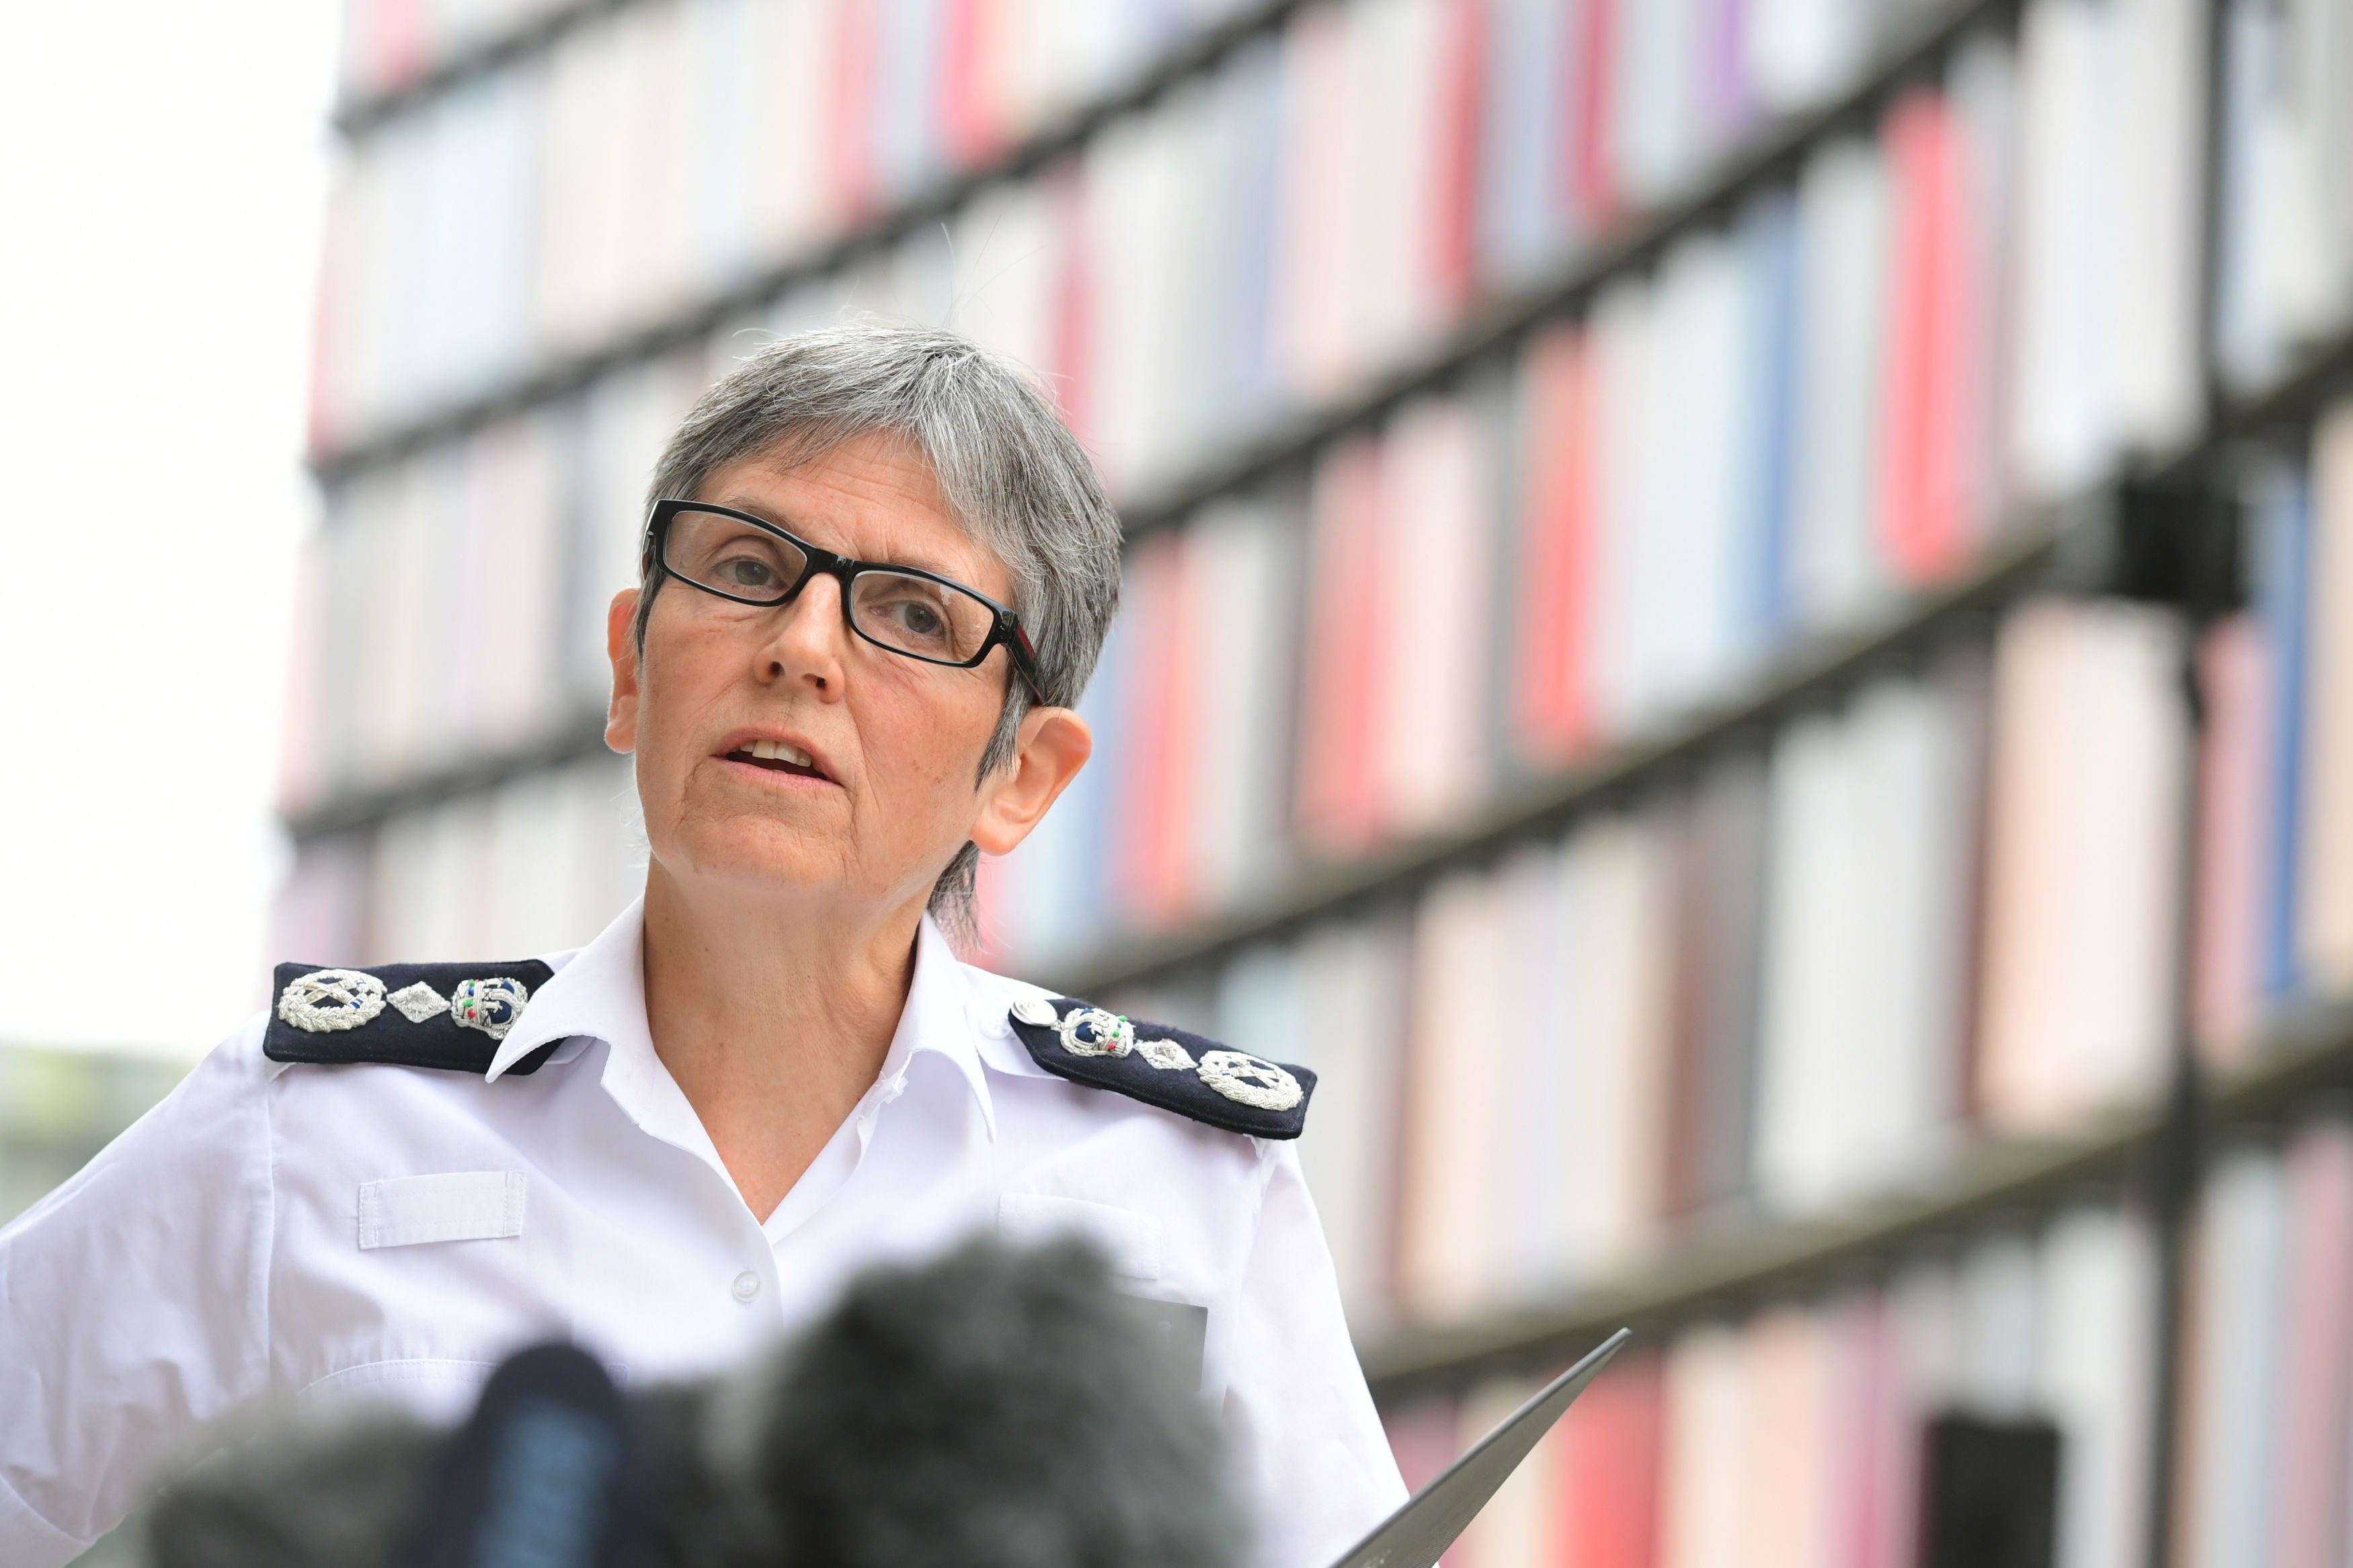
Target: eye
<point x="914" y="615"/>
<point x="745" y="571"/>
<point x="906" y="614"/>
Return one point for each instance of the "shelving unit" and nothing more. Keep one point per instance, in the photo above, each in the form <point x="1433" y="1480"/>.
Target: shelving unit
<point x="699" y="319"/>
<point x="1495" y="327"/>
<point x="2054" y="547"/>
<point x="1498" y="326"/>
<point x="363" y="112"/>
<point x="1728" y="1265"/>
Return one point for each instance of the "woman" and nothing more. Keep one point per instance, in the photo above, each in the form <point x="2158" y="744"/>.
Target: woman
<point x="875" y="577"/>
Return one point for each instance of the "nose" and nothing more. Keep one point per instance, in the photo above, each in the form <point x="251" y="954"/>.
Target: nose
<point x="807" y="639"/>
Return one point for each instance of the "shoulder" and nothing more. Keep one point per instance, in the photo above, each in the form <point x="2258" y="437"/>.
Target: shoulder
<point x="449" y="1016"/>
<point x="1171" y="1068"/>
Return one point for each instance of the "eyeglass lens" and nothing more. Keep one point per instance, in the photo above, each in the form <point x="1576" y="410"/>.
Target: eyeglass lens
<point x="907" y="614"/>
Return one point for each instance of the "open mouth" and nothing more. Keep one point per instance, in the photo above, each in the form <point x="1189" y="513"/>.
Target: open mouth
<point x="777" y="758"/>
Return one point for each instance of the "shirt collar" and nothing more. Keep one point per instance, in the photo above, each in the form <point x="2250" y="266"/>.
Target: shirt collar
<point x="939" y="1019"/>
<point x="601" y="995"/>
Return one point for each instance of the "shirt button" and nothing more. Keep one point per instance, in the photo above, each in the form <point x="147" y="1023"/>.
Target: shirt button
<point x="746" y="1286"/>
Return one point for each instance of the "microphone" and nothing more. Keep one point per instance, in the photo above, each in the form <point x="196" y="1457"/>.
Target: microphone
<point x="996" y="1407"/>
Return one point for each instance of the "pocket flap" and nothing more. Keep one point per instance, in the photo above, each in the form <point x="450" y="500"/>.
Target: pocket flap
<point x="461" y="1205"/>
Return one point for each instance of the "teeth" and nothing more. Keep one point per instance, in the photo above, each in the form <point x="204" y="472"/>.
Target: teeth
<point x="778" y="752"/>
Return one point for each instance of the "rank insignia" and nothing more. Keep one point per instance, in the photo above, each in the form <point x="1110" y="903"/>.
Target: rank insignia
<point x="446" y="1015"/>
<point x="1167" y="1068"/>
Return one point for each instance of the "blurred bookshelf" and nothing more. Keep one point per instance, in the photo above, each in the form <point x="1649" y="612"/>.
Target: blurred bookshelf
<point x="1668" y="760"/>
<point x="398" y="57"/>
<point x="1729" y="1265"/>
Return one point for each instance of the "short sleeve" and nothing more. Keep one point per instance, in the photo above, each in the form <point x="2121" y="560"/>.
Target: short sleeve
<point x="133" y="1307"/>
<point x="1309" y="1448"/>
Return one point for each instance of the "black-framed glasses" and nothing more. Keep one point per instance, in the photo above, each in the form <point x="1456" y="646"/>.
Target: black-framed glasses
<point x="901" y="609"/>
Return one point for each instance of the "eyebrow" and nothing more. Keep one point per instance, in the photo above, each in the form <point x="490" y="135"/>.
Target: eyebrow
<point x="768" y="514"/>
<point x="765" y="513"/>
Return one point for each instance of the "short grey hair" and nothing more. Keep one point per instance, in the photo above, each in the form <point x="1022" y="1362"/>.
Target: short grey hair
<point x="1011" y="470"/>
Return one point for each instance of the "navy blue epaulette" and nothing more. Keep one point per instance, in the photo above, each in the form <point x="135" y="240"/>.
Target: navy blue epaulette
<point x="1163" y="1066"/>
<point x="446" y="1015"/>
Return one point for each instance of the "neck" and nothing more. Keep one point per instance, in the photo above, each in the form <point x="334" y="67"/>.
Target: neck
<point x="774" y="1023"/>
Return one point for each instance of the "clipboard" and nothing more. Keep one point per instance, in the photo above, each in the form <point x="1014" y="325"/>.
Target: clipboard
<point x="1426" y="1524"/>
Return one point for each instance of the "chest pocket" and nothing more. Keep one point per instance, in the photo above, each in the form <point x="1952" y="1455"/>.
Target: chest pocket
<point x="1132" y="1240"/>
<point x="461" y="1206"/>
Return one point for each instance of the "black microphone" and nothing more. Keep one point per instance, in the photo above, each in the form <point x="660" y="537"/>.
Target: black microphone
<point x="996" y="1407"/>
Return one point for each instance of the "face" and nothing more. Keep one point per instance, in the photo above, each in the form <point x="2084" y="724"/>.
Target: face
<point x="779" y="752"/>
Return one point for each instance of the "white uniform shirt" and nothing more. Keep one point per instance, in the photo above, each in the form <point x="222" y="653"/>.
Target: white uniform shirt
<point x="289" y="1229"/>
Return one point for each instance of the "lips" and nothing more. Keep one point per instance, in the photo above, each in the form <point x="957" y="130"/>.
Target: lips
<point x="779" y="756"/>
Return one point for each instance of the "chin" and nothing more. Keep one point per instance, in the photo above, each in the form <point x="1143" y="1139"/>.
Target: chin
<point x="754" y="853"/>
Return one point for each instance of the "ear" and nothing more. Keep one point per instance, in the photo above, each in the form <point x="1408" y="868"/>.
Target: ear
<point x="621" y="648"/>
<point x="1053" y="745"/>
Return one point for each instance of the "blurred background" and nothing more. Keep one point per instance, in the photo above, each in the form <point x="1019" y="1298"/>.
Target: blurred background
<point x="1647" y="655"/>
